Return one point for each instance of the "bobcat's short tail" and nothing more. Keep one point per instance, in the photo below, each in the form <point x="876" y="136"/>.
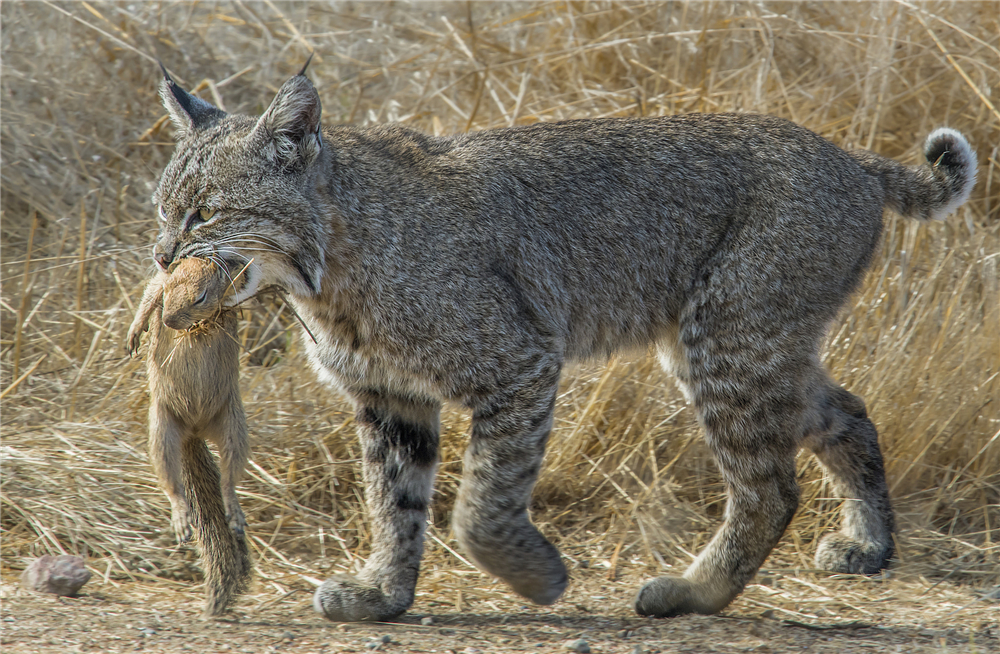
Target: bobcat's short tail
<point x="225" y="559"/>
<point x="930" y="191"/>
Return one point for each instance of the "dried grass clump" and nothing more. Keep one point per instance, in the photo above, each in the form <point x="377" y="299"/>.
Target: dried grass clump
<point x="84" y="136"/>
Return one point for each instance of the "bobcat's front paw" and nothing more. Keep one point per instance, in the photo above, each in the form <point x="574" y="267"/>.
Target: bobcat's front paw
<point x="845" y="555"/>
<point x="343" y="598"/>
<point x="667" y="597"/>
<point x="519" y="554"/>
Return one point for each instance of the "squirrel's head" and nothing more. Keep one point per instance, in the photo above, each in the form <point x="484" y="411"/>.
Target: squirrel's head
<point x="243" y="190"/>
<point x="194" y="291"/>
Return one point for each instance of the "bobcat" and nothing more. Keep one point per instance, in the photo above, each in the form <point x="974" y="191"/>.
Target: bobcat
<point x="194" y="397"/>
<point x="469" y="269"/>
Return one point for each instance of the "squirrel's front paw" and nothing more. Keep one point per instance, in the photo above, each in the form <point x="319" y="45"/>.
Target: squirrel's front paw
<point x="134" y="338"/>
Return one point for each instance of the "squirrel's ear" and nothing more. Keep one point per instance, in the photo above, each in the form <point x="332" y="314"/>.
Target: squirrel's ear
<point x="291" y="125"/>
<point x="187" y="112"/>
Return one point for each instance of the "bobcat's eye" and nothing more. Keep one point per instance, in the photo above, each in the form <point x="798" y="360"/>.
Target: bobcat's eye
<point x="198" y="217"/>
<point x="161" y="214"/>
<point x="202" y="297"/>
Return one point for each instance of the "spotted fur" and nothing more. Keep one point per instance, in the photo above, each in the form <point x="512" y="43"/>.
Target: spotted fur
<point x="471" y="268"/>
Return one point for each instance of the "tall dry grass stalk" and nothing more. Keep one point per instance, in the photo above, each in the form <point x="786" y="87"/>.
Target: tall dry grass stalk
<point x="84" y="136"/>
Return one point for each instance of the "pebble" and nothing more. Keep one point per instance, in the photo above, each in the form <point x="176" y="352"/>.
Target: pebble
<point x="579" y="645"/>
<point x="378" y="641"/>
<point x="59" y="575"/>
<point x="637" y="649"/>
<point x="428" y="621"/>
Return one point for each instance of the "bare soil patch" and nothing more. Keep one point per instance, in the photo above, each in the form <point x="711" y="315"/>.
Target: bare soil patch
<point x="898" y="616"/>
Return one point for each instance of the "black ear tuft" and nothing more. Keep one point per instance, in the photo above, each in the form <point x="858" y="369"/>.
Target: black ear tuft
<point x="188" y="113"/>
<point x="306" y="65"/>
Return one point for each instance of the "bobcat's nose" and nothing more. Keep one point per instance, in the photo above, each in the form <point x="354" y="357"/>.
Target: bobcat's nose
<point x="162" y="257"/>
<point x="162" y="260"/>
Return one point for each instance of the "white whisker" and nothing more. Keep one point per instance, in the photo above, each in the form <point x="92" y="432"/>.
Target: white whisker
<point x="252" y="238"/>
<point x="244" y="244"/>
<point x="220" y="265"/>
<point x="262" y="250"/>
<point x="229" y="250"/>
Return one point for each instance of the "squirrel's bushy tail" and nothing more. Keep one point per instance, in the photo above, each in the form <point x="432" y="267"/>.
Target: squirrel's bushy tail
<point x="224" y="556"/>
<point x="930" y="191"/>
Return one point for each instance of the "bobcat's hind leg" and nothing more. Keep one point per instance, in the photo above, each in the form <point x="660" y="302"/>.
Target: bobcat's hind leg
<point x="748" y="392"/>
<point x="165" y="436"/>
<point x="848" y="450"/>
<point x="399" y="443"/>
<point x="502" y="462"/>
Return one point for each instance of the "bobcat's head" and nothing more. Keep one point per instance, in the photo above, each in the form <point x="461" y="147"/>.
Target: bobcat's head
<point x="244" y="190"/>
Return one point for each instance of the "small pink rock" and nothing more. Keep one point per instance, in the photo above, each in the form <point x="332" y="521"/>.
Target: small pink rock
<point x="59" y="575"/>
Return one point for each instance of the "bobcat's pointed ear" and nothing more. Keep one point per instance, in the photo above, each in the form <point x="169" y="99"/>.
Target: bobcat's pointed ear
<point x="188" y="113"/>
<point x="291" y="125"/>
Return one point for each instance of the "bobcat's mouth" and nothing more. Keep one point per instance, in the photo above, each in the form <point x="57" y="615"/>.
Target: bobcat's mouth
<point x="245" y="281"/>
<point x="244" y="273"/>
<point x="253" y="268"/>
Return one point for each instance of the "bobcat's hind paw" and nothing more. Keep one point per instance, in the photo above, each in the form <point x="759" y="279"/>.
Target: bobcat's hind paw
<point x="845" y="555"/>
<point x="342" y="598"/>
<point x="664" y="597"/>
<point x="668" y="597"/>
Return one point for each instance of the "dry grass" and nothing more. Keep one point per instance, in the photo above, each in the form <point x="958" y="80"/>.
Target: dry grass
<point x="628" y="481"/>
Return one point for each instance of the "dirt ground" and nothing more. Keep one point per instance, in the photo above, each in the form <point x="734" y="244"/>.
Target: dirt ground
<point x="899" y="616"/>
